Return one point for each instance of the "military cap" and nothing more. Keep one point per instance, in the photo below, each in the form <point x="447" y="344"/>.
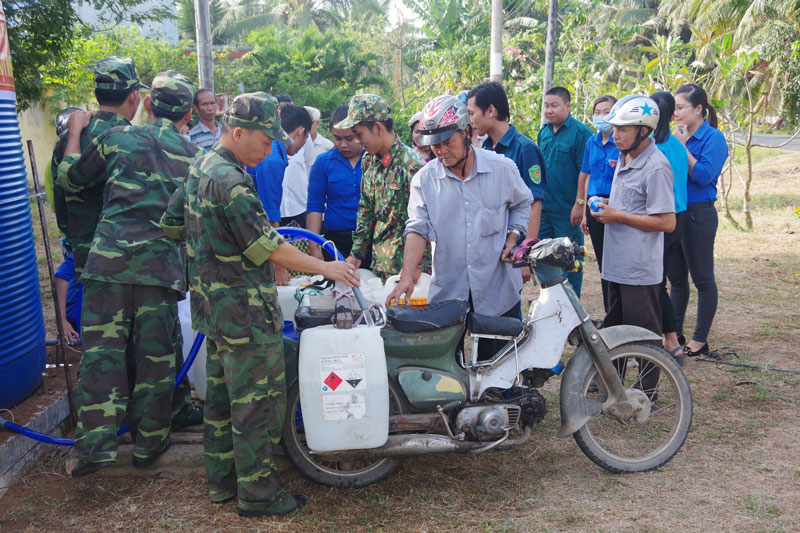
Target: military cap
<point x="257" y="111"/>
<point x="365" y="108"/>
<point x="175" y="85"/>
<point x="116" y="73"/>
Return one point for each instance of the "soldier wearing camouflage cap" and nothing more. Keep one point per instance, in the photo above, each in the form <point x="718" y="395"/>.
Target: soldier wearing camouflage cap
<point x="117" y="87"/>
<point x="231" y="247"/>
<point x="387" y="170"/>
<point x="133" y="279"/>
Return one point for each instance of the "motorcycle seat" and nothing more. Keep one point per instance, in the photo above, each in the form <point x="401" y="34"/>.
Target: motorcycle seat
<point x="414" y="318"/>
<point x="494" y="325"/>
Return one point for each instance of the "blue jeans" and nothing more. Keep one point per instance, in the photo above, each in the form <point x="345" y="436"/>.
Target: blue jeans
<point x="557" y="225"/>
<point x="699" y="233"/>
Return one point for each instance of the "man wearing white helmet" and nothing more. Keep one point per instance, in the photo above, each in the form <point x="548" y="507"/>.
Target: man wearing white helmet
<point x="638" y="212"/>
<point x="471" y="203"/>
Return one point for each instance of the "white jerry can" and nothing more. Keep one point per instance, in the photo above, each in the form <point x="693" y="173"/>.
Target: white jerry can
<point x="344" y="389"/>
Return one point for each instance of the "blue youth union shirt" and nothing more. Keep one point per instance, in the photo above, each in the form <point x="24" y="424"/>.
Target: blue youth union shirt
<point x="710" y="149"/>
<point x="334" y="189"/>
<point x="268" y="178"/>
<point x="600" y="162"/>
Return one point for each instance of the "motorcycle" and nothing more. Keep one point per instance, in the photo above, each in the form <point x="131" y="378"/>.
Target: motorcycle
<point x="623" y="398"/>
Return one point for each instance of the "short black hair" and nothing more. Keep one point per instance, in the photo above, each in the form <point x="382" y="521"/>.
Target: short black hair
<point x="293" y="116"/>
<point x="112" y="97"/>
<point x="168" y="99"/>
<point x="339" y="114"/>
<point x="204" y="90"/>
<point x="284" y="99"/>
<point x="562" y="92"/>
<point x="388" y="124"/>
<point x="491" y="93"/>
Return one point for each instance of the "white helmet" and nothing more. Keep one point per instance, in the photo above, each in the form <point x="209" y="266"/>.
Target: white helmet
<point x="634" y="110"/>
<point x="441" y="117"/>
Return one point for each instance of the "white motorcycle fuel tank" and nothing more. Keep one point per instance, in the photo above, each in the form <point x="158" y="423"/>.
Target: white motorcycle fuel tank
<point x="344" y="389"/>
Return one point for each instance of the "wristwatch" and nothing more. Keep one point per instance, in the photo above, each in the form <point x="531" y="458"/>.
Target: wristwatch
<point x="580" y="201"/>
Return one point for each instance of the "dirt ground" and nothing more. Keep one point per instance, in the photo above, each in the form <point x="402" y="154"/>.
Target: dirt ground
<point x="738" y="471"/>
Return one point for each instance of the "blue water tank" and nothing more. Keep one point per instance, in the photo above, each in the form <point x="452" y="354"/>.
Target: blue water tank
<point x="22" y="335"/>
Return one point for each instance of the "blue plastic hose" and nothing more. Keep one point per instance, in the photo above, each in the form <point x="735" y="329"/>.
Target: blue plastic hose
<point x="198" y="342"/>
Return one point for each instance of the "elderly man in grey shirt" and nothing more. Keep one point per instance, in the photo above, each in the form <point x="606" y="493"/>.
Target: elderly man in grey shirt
<point x="472" y="205"/>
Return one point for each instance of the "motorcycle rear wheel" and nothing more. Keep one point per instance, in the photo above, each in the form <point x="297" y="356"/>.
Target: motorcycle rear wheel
<point x="621" y="448"/>
<point x="341" y="474"/>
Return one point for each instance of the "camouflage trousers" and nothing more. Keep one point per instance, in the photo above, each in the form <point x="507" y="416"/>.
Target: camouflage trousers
<point x="244" y="412"/>
<point x="131" y="351"/>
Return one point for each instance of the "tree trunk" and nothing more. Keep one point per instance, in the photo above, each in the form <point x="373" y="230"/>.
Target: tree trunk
<point x="550" y="50"/>
<point x="202" y="18"/>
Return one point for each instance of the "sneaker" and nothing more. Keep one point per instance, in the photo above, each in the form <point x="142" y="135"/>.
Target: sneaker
<point x="187" y="417"/>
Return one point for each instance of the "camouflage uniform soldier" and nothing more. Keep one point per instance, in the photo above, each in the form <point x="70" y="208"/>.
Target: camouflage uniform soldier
<point x="231" y="247"/>
<point x="133" y="278"/>
<point x="387" y="171"/>
<point x="117" y="91"/>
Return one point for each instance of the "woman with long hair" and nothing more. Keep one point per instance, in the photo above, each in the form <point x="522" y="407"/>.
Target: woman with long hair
<point x="707" y="151"/>
<point x="678" y="159"/>
<point x="597" y="173"/>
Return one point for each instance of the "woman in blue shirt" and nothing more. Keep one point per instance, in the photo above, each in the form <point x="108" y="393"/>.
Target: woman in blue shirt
<point x="597" y="173"/>
<point x="707" y="151"/>
<point x="674" y="262"/>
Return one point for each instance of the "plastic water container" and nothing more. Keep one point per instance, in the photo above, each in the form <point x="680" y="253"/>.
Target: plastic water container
<point x="344" y="389"/>
<point x="197" y="375"/>
<point x="287" y="302"/>
<point x="421" y="289"/>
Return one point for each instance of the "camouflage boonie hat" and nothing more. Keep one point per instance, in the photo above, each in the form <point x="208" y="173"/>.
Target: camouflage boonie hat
<point x="365" y="108"/>
<point x="120" y="70"/>
<point x="175" y="84"/>
<point x="257" y="111"/>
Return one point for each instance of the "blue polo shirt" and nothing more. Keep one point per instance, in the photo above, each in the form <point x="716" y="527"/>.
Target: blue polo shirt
<point x="710" y="149"/>
<point x="268" y="178"/>
<point x="600" y="162"/>
<point x="563" y="154"/>
<point x="334" y="189"/>
<point x="675" y="153"/>
<point x="527" y="156"/>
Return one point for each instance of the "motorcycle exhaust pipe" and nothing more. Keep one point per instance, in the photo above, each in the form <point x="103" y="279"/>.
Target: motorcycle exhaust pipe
<point x="413" y="445"/>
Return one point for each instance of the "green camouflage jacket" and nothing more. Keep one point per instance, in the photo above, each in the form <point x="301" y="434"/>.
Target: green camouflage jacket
<point x="228" y="241"/>
<point x="77" y="212"/>
<point x="143" y="166"/>
<point x="382" y="210"/>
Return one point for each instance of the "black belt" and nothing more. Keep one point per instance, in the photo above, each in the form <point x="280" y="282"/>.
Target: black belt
<point x="700" y="205"/>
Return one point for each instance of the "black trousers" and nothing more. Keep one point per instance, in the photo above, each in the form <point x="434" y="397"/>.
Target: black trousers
<point x="597" y="231"/>
<point x="673" y="255"/>
<point x="343" y="240"/>
<point x="699" y="233"/>
<point x="636" y="305"/>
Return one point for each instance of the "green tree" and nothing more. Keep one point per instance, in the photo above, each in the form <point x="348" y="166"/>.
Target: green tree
<point x="43" y="32"/>
<point x="319" y="68"/>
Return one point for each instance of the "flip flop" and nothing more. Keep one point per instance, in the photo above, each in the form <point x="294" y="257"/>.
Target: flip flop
<point x="680" y="359"/>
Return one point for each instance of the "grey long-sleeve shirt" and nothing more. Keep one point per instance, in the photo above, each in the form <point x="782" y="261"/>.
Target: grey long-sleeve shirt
<point x="467" y="222"/>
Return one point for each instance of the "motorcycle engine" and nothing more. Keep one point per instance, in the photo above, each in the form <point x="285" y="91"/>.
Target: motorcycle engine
<point x="488" y="422"/>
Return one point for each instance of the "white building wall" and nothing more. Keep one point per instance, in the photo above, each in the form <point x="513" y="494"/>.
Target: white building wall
<point x="166" y="30"/>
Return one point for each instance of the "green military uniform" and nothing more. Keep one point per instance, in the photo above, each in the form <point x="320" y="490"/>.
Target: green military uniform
<point x="77" y="212"/>
<point x="234" y="303"/>
<point x="133" y="279"/>
<point x="385" y="188"/>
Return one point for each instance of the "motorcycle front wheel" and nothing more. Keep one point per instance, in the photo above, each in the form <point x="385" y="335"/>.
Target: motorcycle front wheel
<point x="646" y="445"/>
<point x="341" y="474"/>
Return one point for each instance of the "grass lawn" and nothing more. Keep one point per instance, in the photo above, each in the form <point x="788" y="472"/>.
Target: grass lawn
<point x="738" y="471"/>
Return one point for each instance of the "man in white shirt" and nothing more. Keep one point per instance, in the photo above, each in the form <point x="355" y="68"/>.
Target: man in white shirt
<point x="316" y="143"/>
<point x="296" y="122"/>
